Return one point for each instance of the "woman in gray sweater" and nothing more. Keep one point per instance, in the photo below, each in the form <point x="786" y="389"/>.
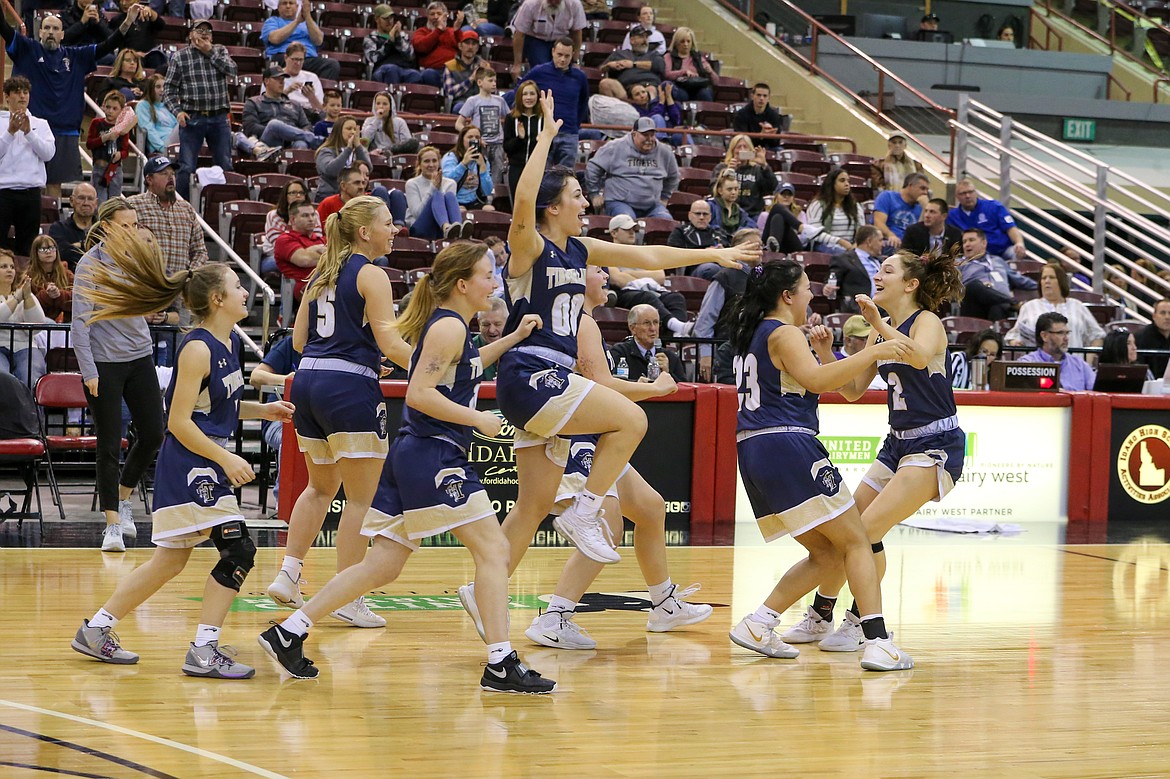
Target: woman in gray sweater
<point x="431" y="208"/>
<point x="386" y="131"/>
<point x="116" y="357"/>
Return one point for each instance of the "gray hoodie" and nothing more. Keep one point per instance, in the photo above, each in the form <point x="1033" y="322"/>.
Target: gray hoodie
<point x="622" y="173"/>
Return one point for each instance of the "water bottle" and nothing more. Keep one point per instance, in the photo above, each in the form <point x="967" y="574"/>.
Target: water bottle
<point x="979" y="372"/>
<point x="623" y="370"/>
<point x="652" y="368"/>
<point x="830" y="288"/>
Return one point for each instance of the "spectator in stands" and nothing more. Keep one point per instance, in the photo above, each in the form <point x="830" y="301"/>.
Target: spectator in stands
<point x="897" y="164"/>
<point x="341" y="150"/>
<point x="127" y="75"/>
<point x="84" y="23"/>
<point x="570" y="90"/>
<point x="52" y="281"/>
<point x="539" y="24"/>
<point x="196" y="92"/>
<point x="893" y="211"/>
<point x="727" y="216"/>
<point x="160" y="125"/>
<point x="1007" y="33"/>
<point x="687" y="67"/>
<point x="108" y="142"/>
<point x="279" y="364"/>
<point x="458" y="72"/>
<point x="783" y="231"/>
<point x="1052" y="337"/>
<point x="644" y="287"/>
<point x="760" y="117"/>
<point x="331" y="113"/>
<point x="856" y="267"/>
<point x="296" y="25"/>
<point x="467" y="166"/>
<point x="713" y="320"/>
<point x="389" y="54"/>
<point x="636" y="65"/>
<point x="433" y="210"/>
<point x="491" y="327"/>
<point x="664" y="112"/>
<point x="354" y="181"/>
<point x="26" y="144"/>
<point x="276" y="120"/>
<point x="1083" y="328"/>
<point x="988" y="279"/>
<point x="1120" y="348"/>
<point x="834" y="214"/>
<point x="302" y="86"/>
<point x="19" y="305"/>
<point x="386" y="131"/>
<point x="932" y="234"/>
<point x="142" y="35"/>
<point x="1156" y="335"/>
<point x="696" y="233"/>
<point x="277" y="221"/>
<point x="56" y="75"/>
<point x="498" y="250"/>
<point x="1004" y="239"/>
<point x="486" y="110"/>
<point x="756" y="179"/>
<point x="634" y="175"/>
<point x="69" y="231"/>
<point x="646" y="18"/>
<point x="435" y="43"/>
<point x="1149" y="279"/>
<point x="638" y="349"/>
<point x="988" y="343"/>
<point x="521" y="128"/>
<point x="299" y="248"/>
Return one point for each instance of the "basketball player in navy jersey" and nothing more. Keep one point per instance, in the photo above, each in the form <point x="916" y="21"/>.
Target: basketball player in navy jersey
<point x="536" y="386"/>
<point x="922" y="457"/>
<point x="779" y="382"/>
<point x="342" y="329"/>
<point x="196" y="475"/>
<point x="428" y="486"/>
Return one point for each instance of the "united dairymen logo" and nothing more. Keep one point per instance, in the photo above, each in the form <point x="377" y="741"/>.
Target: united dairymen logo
<point x="1143" y="464"/>
<point x="204" y="481"/>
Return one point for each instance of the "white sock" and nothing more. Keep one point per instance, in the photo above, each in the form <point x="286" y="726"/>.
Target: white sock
<point x="675" y="326"/>
<point x="292" y="566"/>
<point x="766" y="615"/>
<point x="557" y="603"/>
<point x="497" y="652"/>
<point x="103" y="619"/>
<point x="588" y="504"/>
<point x="659" y="592"/>
<point x="297" y="623"/>
<point x="205" y="634"/>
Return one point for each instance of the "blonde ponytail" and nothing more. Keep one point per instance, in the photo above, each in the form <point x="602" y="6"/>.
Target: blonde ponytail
<point x="341" y="232"/>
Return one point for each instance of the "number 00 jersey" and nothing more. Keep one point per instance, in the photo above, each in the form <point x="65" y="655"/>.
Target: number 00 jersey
<point x="769" y="397"/>
<point x="918" y="397"/>
<point x="338" y="327"/>
<point x="554" y="288"/>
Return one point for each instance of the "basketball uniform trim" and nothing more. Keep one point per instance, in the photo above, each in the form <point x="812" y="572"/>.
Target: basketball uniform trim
<point x="343" y="445"/>
<point x="557" y="411"/>
<point x="879" y="474"/>
<point x="392" y="526"/>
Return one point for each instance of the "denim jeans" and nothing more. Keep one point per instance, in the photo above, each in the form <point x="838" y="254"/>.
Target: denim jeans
<point x="615" y="207"/>
<point x="442" y="208"/>
<point x="395" y="201"/>
<point x="27" y="365"/>
<point x="536" y="51"/>
<point x="564" y="150"/>
<point x="218" y="134"/>
<point x="396" y="74"/>
<point x="278" y="133"/>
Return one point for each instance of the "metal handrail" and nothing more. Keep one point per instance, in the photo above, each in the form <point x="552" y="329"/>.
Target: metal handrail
<point x="883" y="73"/>
<point x="1098" y="37"/>
<point x="1049" y="32"/>
<point x="804" y="137"/>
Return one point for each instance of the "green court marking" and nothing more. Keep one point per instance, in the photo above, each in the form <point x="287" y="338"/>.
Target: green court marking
<point x="388" y="603"/>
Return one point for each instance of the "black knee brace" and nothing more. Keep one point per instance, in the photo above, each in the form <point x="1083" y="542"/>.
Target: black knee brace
<point x="237" y="554"/>
<point x="877" y="547"/>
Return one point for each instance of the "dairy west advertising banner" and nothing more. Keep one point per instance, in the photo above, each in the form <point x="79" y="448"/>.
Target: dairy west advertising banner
<point x="1016" y="469"/>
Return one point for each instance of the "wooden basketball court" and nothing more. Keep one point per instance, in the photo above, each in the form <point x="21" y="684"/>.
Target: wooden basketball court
<point x="1034" y="660"/>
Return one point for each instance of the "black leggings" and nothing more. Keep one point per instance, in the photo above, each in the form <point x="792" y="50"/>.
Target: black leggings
<point x="136" y="383"/>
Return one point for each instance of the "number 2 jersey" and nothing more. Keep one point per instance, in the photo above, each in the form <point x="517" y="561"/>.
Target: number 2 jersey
<point x="918" y="397"/>
<point x="338" y="328"/>
<point x="554" y="288"/>
<point x="769" y="397"/>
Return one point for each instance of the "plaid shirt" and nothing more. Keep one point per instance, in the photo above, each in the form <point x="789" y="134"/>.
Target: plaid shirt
<point x="175" y="228"/>
<point x="197" y="82"/>
<point x="457" y="83"/>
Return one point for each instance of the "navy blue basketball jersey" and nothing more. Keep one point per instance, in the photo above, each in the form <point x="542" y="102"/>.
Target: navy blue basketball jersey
<point x="769" y="397"/>
<point x="217" y="409"/>
<point x="459" y="384"/>
<point x="917" y="397"/>
<point x="338" y="327"/>
<point x="555" y="289"/>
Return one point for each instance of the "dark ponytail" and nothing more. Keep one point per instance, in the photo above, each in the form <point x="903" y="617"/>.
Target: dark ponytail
<point x="939" y="280"/>
<point x="766" y="283"/>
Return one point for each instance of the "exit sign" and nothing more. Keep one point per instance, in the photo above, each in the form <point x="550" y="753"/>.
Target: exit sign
<point x="1080" y="130"/>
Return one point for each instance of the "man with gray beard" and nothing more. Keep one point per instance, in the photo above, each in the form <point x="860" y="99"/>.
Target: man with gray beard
<point x="57" y="76"/>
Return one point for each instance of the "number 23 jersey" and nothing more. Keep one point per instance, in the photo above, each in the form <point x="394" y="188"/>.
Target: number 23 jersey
<point x="769" y="397"/>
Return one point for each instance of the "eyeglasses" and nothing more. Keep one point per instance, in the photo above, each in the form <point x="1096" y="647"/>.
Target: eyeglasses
<point x="47" y="250"/>
<point x="653" y="322"/>
<point x="1057" y="332"/>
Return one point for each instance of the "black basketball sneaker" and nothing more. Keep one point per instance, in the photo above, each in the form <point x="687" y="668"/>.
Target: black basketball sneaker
<point x="511" y="675"/>
<point x="287" y="649"/>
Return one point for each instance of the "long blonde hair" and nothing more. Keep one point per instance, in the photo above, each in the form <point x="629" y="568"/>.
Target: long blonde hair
<point x="735" y="139"/>
<point x="137" y="284"/>
<point x="341" y="232"/>
<point x="18" y="279"/>
<point x="455" y="263"/>
<point x="103" y="218"/>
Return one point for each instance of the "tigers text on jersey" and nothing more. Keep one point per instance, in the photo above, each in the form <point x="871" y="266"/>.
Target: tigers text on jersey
<point x="217" y="409"/>
<point x="554" y="288"/>
<point x="769" y="397"/>
<point x="917" y="397"/>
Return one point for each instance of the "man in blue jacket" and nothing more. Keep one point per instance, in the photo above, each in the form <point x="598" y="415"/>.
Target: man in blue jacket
<point x="1004" y="239"/>
<point x="570" y="90"/>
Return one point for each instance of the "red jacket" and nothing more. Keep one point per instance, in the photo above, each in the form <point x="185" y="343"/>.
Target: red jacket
<point x="435" y="47"/>
<point x="96" y="144"/>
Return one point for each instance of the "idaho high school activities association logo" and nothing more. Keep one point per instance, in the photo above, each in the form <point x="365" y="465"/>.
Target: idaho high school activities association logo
<point x="1143" y="464"/>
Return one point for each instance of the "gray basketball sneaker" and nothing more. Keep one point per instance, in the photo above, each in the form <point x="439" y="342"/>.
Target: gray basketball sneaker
<point x="215" y="662"/>
<point x="101" y="644"/>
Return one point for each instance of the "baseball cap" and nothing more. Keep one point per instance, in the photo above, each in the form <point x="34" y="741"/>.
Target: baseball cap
<point x="622" y="222"/>
<point x="638" y="29"/>
<point x="201" y="24"/>
<point x="157" y="163"/>
<point x="274" y="71"/>
<point x="383" y="11"/>
<point x="930" y="18"/>
<point x="786" y="187"/>
<point x="896" y="137"/>
<point x="644" y="125"/>
<point x="856" y="327"/>
<point x="469" y="35"/>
